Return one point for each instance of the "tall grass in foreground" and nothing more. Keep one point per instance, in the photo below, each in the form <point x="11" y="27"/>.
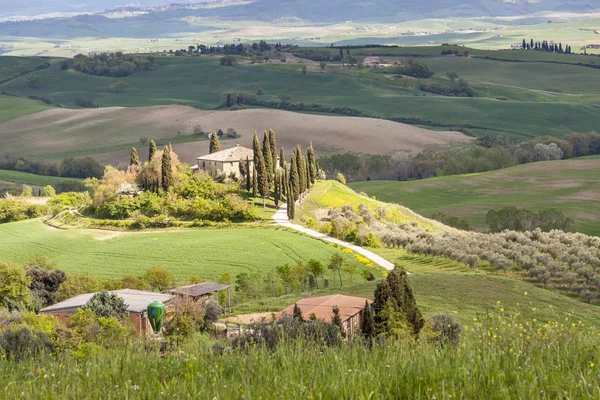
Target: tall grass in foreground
<point x="499" y="357"/>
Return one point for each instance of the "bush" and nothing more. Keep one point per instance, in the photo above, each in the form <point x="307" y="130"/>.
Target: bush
<point x="16" y="210"/>
<point x="108" y="305"/>
<point x="21" y="342"/>
<point x="446" y="327"/>
<point x="86" y="103"/>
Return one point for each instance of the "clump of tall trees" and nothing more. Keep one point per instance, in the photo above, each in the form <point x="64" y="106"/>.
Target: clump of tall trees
<point x="272" y="176"/>
<point x="115" y="64"/>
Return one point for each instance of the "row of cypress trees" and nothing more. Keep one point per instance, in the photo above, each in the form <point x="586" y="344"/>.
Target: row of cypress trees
<point x="272" y="174"/>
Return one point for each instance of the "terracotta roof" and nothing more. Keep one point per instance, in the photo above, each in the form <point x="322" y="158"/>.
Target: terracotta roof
<point x="237" y="153"/>
<point x="199" y="289"/>
<point x="322" y="307"/>
<point x="136" y="300"/>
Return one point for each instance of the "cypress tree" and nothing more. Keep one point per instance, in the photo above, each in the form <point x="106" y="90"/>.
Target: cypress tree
<point x="151" y="150"/>
<point x="307" y="178"/>
<point x="337" y="320"/>
<point x="134" y="158"/>
<point x="277" y="191"/>
<point x="297" y="314"/>
<point x="312" y="163"/>
<point x="256" y="147"/>
<point x="268" y="158"/>
<point x="367" y="324"/>
<point x="273" y="144"/>
<point x="282" y="158"/>
<point x="215" y="144"/>
<point x="301" y="170"/>
<point x="254" y="181"/>
<point x="248" y="176"/>
<point x="263" y="177"/>
<point x="167" y="171"/>
<point x="294" y="193"/>
<point x="291" y="205"/>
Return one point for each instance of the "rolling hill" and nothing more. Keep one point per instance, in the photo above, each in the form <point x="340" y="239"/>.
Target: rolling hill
<point x="201" y="81"/>
<point x="109" y="133"/>
<point x="572" y="186"/>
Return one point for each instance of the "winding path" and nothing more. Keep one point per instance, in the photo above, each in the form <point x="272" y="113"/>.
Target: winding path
<point x="281" y="219"/>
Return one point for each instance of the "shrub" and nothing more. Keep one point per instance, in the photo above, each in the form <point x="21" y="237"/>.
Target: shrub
<point x="446" y="327"/>
<point x="48" y="191"/>
<point x="105" y="304"/>
<point x="16" y="210"/>
<point x="159" y="279"/>
<point x="21" y="342"/>
<point x="86" y="103"/>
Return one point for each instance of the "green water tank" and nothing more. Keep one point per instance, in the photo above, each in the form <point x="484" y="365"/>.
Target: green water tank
<point x="156" y="314"/>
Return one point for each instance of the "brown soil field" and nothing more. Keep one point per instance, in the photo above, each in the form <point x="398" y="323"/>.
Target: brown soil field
<point x="97" y="132"/>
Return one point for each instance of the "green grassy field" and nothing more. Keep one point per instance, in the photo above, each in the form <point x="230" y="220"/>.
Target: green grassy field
<point x="572" y="186"/>
<point x="206" y="253"/>
<point x="182" y="79"/>
<point x="14" y="107"/>
<point x="32" y="179"/>
<point x="444" y="285"/>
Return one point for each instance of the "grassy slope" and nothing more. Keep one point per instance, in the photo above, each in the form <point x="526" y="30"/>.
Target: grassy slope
<point x="442" y="285"/>
<point x="570" y="185"/>
<point x="31" y="179"/>
<point x="207" y="253"/>
<point x="14" y="107"/>
<point x="178" y="79"/>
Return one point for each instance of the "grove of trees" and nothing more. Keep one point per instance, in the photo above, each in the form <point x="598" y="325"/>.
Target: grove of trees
<point x="115" y="64"/>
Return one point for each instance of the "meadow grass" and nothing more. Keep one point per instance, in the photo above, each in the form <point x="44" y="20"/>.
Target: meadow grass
<point x="14" y="107"/>
<point x="571" y="186"/>
<point x="180" y="79"/>
<point x="501" y="355"/>
<point x="207" y="253"/>
<point x="32" y="179"/>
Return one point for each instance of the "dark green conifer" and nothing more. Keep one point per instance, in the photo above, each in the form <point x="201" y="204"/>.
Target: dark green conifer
<point x="166" y="168"/>
<point x="297" y="314"/>
<point x="262" y="177"/>
<point x="277" y="188"/>
<point x="151" y="150"/>
<point x="248" y="176"/>
<point x="273" y="144"/>
<point x="134" y="158"/>
<point x="294" y="179"/>
<point x="215" y="144"/>
<point x="268" y="158"/>
<point x="312" y="163"/>
<point x="367" y="324"/>
<point x="254" y="181"/>
<point x="337" y="320"/>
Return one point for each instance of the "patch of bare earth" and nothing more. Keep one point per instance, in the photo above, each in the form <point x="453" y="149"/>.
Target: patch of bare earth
<point x="61" y="130"/>
<point x="248" y="318"/>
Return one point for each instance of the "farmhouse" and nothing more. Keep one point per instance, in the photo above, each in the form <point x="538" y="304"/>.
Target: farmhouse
<point x="226" y="161"/>
<point x="350" y="308"/>
<point x="137" y="303"/>
<point x="203" y="291"/>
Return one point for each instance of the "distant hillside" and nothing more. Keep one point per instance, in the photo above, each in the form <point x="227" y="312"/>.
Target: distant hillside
<point x="160" y="21"/>
<point x="109" y="133"/>
<point x="572" y="186"/>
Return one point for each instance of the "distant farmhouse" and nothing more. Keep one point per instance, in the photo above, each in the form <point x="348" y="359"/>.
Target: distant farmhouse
<point x="137" y="303"/>
<point x="226" y="161"/>
<point x="377" y="62"/>
<point x="322" y="307"/>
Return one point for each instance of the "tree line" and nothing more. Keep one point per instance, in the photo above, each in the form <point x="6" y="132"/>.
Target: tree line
<point x="269" y="174"/>
<point x="85" y="167"/>
<point x="114" y="64"/>
<point x="487" y="153"/>
<point x="544" y="45"/>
